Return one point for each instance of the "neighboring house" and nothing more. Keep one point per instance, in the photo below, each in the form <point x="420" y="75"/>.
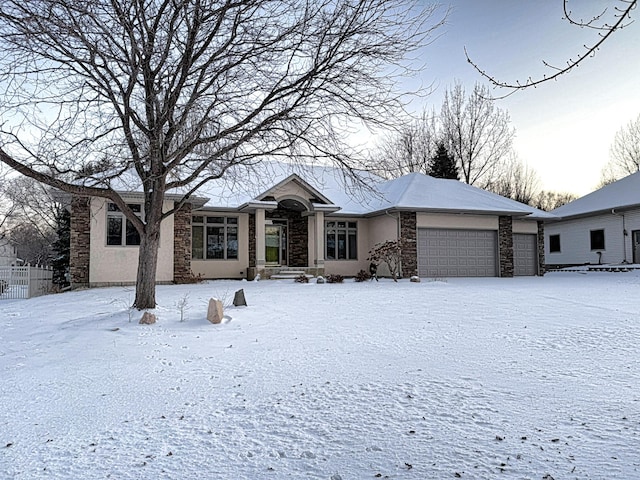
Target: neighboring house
<point x="320" y="224"/>
<point x="601" y="227"/>
<point x="8" y="254"/>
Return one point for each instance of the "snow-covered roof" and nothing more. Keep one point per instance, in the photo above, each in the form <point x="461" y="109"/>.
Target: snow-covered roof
<point x="415" y="191"/>
<point x="247" y="186"/>
<point x="624" y="193"/>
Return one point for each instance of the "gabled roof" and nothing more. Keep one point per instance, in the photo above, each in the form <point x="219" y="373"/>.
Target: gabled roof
<point x="415" y="192"/>
<point x="624" y="193"/>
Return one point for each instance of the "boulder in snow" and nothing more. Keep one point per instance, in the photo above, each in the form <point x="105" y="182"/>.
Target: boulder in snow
<point x="147" y="319"/>
<point x="215" y="312"/>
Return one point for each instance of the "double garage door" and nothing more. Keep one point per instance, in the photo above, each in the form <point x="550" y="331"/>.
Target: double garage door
<point x="470" y="253"/>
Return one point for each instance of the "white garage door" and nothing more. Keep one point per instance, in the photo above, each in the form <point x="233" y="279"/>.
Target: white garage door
<point x="457" y="253"/>
<point x="525" y="254"/>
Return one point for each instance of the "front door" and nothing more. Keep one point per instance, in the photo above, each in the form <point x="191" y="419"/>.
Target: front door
<point x="275" y="244"/>
<point x="635" y="235"/>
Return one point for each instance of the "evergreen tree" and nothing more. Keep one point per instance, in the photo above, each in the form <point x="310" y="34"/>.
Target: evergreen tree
<point x="62" y="248"/>
<point x="443" y="165"/>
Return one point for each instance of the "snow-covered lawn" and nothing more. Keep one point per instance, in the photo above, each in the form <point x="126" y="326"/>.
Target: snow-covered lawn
<point x="527" y="378"/>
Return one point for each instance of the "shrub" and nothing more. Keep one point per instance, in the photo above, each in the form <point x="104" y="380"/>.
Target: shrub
<point x="302" y="278"/>
<point x="389" y="253"/>
<point x="362" y="276"/>
<point x="335" y="278"/>
<point x="3" y="286"/>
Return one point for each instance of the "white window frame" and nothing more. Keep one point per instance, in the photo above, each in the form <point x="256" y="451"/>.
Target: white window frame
<point x="334" y="228"/>
<point x="227" y="223"/>
<point x="114" y="212"/>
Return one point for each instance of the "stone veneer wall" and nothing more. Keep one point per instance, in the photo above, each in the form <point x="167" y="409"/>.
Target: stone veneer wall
<point x="298" y="232"/>
<point x="182" y="244"/>
<point x="505" y="245"/>
<point x="541" y="259"/>
<point x="80" y="241"/>
<point x="252" y="240"/>
<point x="409" y="235"/>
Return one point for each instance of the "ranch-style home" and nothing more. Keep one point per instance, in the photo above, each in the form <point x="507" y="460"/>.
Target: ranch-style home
<point x="602" y="227"/>
<point x="313" y="220"/>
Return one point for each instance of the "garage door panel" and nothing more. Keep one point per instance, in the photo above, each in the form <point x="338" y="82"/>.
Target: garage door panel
<point x="457" y="253"/>
<point x="525" y="254"/>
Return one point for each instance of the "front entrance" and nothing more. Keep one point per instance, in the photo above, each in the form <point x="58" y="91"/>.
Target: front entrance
<point x="275" y="244"/>
<point x="635" y="235"/>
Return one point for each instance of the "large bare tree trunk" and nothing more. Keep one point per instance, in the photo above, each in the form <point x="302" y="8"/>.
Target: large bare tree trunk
<point x="147" y="270"/>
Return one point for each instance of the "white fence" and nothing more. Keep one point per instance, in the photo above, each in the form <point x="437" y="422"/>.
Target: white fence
<point x="25" y="282"/>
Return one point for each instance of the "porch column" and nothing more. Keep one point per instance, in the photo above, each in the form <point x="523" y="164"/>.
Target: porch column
<point x="260" y="245"/>
<point x="318" y="260"/>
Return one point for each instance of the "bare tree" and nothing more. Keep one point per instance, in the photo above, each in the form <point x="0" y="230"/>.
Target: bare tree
<point x="604" y="23"/>
<point x="410" y="148"/>
<point x="624" y="153"/>
<point x="477" y="133"/>
<point x="166" y="95"/>
<point x="547" y="201"/>
<point x="517" y="181"/>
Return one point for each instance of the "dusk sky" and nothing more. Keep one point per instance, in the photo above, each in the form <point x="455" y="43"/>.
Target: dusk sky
<point x="564" y="128"/>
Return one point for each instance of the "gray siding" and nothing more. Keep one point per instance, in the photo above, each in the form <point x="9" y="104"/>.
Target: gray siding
<point x="575" y="240"/>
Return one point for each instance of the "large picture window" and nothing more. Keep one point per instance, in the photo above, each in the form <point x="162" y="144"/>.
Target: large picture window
<point x="214" y="238"/>
<point x="597" y="239"/>
<point x="341" y="240"/>
<point x="120" y="231"/>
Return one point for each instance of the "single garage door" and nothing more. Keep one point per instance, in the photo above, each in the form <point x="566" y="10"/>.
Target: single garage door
<point x="525" y="254"/>
<point x="457" y="253"/>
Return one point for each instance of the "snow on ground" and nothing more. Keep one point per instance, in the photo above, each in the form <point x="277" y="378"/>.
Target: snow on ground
<point x="527" y="378"/>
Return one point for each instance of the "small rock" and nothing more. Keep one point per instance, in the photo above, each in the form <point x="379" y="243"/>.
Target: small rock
<point x="147" y="319"/>
<point x="320" y="279"/>
<point x="336" y="476"/>
<point x="415" y="279"/>
<point x="215" y="312"/>
<point x="239" y="300"/>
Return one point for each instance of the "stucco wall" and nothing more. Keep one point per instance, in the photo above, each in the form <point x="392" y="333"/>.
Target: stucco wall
<point x="575" y="240"/>
<point x="525" y="226"/>
<point x="473" y="222"/>
<point x="227" y="268"/>
<point x="119" y="264"/>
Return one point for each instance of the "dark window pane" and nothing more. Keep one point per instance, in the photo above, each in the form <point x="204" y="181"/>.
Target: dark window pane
<point x="352" y="224"/>
<point x="135" y="207"/>
<point x="198" y="219"/>
<point x="114" y="231"/>
<point x="197" y="242"/>
<point x="133" y="237"/>
<point x="232" y="242"/>
<point x="215" y="219"/>
<point x="232" y="220"/>
<point x="215" y="242"/>
<point x="554" y="243"/>
<point x="342" y="245"/>
<point x="331" y="246"/>
<point x="112" y="207"/>
<point x="353" y="246"/>
<point x="597" y="239"/>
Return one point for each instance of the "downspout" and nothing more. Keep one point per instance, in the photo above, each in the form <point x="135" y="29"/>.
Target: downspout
<point x="624" y="233"/>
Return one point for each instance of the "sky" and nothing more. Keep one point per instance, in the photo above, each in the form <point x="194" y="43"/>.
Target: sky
<point x="564" y="128"/>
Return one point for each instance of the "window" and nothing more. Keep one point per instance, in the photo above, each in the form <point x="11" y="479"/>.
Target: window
<point x="121" y="231"/>
<point x="597" y="239"/>
<point x="214" y="238"/>
<point x="554" y="243"/>
<point x="341" y="240"/>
